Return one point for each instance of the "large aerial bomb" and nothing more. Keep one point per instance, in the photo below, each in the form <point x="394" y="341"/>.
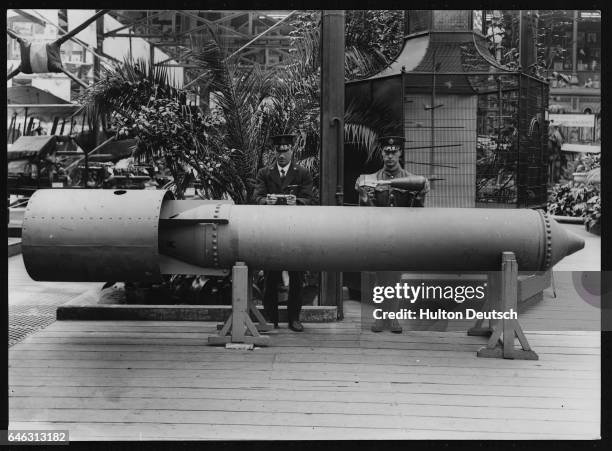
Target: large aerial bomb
<point x="101" y="235"/>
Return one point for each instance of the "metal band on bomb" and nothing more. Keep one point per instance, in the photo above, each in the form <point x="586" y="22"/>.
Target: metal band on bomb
<point x="548" y="261"/>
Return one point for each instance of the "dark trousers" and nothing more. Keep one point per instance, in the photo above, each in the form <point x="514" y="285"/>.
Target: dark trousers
<point x="270" y="295"/>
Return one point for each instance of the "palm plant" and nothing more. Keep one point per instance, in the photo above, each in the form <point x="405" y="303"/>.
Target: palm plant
<point x="224" y="150"/>
<point x="295" y="100"/>
<point x="256" y="104"/>
<point x="142" y="101"/>
<point x="292" y="101"/>
<point x="363" y="120"/>
<point x="242" y="97"/>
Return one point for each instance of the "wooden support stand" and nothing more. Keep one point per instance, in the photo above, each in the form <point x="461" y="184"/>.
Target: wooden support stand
<point x="492" y="302"/>
<point x="239" y="328"/>
<point x="501" y="342"/>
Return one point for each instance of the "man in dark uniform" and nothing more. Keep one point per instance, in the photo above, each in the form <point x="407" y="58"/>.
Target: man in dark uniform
<point x="373" y="193"/>
<point x="283" y="183"/>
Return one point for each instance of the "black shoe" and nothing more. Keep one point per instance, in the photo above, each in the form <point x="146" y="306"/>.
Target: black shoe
<point x="395" y="327"/>
<point x="266" y="316"/>
<point x="378" y="326"/>
<point x="296" y="326"/>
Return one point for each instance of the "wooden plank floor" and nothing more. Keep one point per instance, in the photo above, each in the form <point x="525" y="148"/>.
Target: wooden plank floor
<point x="128" y="380"/>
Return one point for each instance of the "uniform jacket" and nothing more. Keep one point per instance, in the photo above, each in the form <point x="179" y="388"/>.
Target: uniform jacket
<point x="384" y="197"/>
<point x="298" y="182"/>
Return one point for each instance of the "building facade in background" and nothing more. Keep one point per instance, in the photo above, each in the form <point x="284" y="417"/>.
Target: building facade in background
<point x="574" y="47"/>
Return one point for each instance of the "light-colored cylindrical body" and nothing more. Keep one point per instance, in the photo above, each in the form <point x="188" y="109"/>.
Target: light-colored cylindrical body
<point x="319" y="238"/>
<point x="91" y="235"/>
<point x="372" y="239"/>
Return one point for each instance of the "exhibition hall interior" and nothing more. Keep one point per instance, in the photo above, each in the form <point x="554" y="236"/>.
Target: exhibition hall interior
<point x="304" y="225"/>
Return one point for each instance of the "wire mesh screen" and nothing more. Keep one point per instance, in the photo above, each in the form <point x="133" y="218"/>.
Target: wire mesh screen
<point x="24" y="320"/>
<point x="512" y="151"/>
<point x="474" y="127"/>
<point x="532" y="148"/>
<point x="480" y="139"/>
<point x="452" y="20"/>
<point x="440" y="143"/>
<point x="419" y="20"/>
<point x="498" y="142"/>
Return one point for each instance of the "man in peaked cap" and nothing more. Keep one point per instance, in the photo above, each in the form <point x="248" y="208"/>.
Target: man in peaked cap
<point x="294" y="183"/>
<point x="371" y="195"/>
<point x="375" y="195"/>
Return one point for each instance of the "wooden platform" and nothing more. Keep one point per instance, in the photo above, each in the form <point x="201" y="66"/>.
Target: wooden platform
<point x="135" y="380"/>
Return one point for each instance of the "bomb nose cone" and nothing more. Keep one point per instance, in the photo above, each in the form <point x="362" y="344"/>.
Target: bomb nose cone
<point x="561" y="243"/>
<point x="574" y="243"/>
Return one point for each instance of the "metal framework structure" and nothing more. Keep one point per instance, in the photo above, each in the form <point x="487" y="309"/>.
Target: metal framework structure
<point x="180" y="32"/>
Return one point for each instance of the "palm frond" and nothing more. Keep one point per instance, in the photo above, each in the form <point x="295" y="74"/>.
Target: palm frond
<point x="362" y="63"/>
<point x="365" y="121"/>
<point x="123" y="89"/>
<point x="240" y="95"/>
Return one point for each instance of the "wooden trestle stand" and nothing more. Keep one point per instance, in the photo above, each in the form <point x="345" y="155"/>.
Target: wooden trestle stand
<point x="502" y="332"/>
<point x="239" y="328"/>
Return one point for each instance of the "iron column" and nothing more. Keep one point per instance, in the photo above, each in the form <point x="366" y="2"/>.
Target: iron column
<point x="332" y="132"/>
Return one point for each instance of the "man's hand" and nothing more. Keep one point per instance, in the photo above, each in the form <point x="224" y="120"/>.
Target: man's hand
<point x="271" y="199"/>
<point x="291" y="199"/>
<point x="366" y="196"/>
<point x="369" y="184"/>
